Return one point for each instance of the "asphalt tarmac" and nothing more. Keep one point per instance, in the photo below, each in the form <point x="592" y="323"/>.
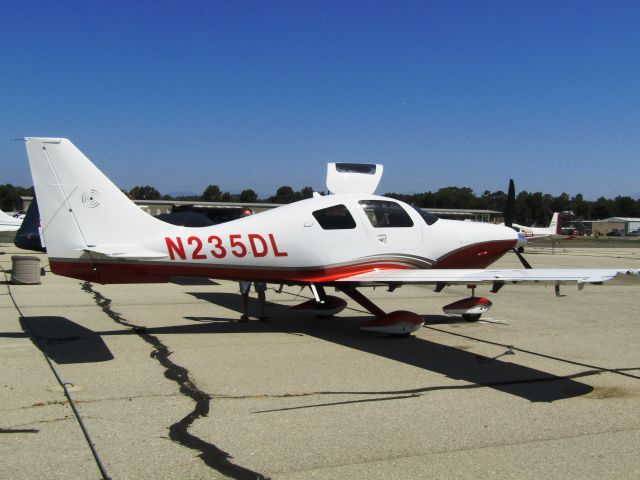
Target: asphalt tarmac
<point x="168" y="386"/>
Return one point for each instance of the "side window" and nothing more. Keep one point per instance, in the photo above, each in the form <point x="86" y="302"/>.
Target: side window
<point x="428" y="217"/>
<point x="384" y="214"/>
<point x="335" y="218"/>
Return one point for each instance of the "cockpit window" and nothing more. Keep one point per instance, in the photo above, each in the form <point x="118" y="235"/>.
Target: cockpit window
<point x="384" y="214"/>
<point x="335" y="218"/>
<point x="430" y="218"/>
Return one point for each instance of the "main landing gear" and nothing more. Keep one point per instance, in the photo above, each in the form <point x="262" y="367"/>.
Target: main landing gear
<point x="322" y="305"/>
<point x="400" y="323"/>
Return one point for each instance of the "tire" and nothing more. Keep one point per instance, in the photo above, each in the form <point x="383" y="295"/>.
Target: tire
<point x="471" y="317"/>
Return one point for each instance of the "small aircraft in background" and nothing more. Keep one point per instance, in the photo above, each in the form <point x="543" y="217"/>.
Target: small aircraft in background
<point x="346" y="240"/>
<point x="553" y="231"/>
<point x="8" y="225"/>
<point x="527" y="234"/>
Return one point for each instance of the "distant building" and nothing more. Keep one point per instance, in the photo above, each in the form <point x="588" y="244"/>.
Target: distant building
<point x="489" y="216"/>
<point x="618" y="226"/>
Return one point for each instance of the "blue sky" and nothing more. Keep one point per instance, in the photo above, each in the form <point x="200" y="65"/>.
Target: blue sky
<point x="259" y="94"/>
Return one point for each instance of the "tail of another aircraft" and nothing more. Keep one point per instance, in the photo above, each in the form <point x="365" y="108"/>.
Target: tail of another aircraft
<point x="555" y="223"/>
<point x="81" y="211"/>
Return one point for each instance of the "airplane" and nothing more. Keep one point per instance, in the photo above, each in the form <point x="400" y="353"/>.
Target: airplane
<point x="532" y="234"/>
<point x="348" y="239"/>
<point x="553" y="231"/>
<point x="8" y="225"/>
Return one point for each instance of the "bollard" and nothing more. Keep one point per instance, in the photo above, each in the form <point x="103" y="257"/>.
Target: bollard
<point x="25" y="270"/>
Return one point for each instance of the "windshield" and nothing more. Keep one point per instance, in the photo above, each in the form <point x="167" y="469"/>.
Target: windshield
<point x="430" y="218"/>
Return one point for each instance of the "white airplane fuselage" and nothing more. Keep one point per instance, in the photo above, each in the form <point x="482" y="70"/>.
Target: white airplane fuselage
<point x="291" y="244"/>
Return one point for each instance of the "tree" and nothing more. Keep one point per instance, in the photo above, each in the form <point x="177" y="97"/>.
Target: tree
<point x="626" y="207"/>
<point x="539" y="206"/>
<point x="10" y="196"/>
<point x="581" y="208"/>
<point x="604" y="208"/>
<point x="561" y="203"/>
<point x="494" y="200"/>
<point x="144" y="193"/>
<point x="306" y="192"/>
<point x="212" y="194"/>
<point x="285" y="194"/>
<point x="248" y="196"/>
<point x="521" y="211"/>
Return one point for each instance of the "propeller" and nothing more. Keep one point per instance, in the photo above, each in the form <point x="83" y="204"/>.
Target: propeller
<point x="510" y="206"/>
<point x="523" y="260"/>
<point x="508" y="219"/>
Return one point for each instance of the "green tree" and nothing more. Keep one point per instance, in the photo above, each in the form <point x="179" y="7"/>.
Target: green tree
<point x="626" y="207"/>
<point x="604" y="208"/>
<point x="306" y="192"/>
<point x="494" y="200"/>
<point x="212" y="194"/>
<point x="248" y="196"/>
<point x="144" y="193"/>
<point x="561" y="203"/>
<point x="581" y="208"/>
<point x="285" y="194"/>
<point x="10" y="196"/>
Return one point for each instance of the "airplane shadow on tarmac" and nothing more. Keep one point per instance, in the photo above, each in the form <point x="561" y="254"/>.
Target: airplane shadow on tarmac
<point x="67" y="342"/>
<point x="453" y="362"/>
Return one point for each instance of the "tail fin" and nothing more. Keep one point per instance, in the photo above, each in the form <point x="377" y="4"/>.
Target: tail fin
<point x="81" y="210"/>
<point x="555" y="222"/>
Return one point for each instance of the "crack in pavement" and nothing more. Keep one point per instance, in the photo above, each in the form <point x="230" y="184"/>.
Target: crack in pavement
<point x="178" y="432"/>
<point x="21" y="430"/>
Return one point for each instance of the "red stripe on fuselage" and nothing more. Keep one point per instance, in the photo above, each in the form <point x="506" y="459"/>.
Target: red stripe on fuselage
<point x="122" y="272"/>
<point x="473" y="256"/>
<point x="479" y="255"/>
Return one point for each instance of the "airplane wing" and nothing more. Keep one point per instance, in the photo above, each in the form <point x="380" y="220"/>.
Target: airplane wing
<point x="477" y="276"/>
